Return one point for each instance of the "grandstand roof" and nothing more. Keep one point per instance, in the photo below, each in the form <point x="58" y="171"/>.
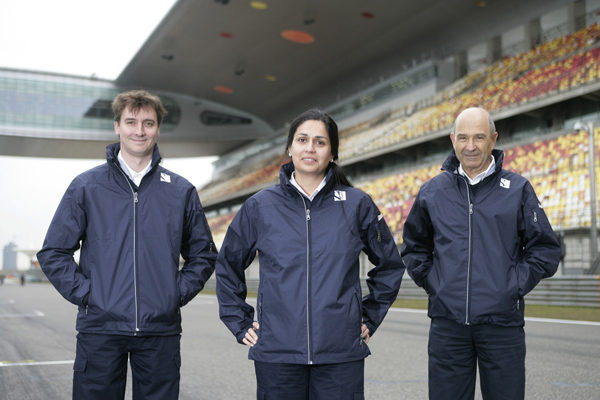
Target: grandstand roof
<point x="234" y="53"/>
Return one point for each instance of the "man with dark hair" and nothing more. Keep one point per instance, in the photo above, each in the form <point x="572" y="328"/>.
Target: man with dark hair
<point x="133" y="220"/>
<point x="477" y="240"/>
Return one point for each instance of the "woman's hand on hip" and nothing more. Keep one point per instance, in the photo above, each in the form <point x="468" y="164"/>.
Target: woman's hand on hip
<point x="251" y="337"/>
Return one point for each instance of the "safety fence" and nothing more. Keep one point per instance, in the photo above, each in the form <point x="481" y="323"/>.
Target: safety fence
<point x="560" y="291"/>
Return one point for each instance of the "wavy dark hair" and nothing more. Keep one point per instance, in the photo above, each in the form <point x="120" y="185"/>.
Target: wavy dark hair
<point x="315" y="114"/>
<point x="136" y="100"/>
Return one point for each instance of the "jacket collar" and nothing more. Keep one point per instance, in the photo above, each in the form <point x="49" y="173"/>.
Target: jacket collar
<point x="112" y="151"/>
<point x="285" y="174"/>
<point x="451" y="164"/>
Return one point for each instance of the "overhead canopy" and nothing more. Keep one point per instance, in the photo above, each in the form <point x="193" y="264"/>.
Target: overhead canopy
<point x="276" y="58"/>
<point x="234" y="71"/>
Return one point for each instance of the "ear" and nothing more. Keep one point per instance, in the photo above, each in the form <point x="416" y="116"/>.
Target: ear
<point x="116" y="126"/>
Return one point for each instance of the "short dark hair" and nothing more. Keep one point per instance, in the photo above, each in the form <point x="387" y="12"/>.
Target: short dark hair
<point x="315" y="114"/>
<point x="136" y="100"/>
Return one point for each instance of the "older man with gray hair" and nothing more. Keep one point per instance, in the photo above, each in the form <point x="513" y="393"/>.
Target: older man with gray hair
<point x="477" y="240"/>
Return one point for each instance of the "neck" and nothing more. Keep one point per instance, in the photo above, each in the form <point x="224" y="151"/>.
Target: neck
<point x="308" y="183"/>
<point x="136" y="163"/>
<point x="473" y="173"/>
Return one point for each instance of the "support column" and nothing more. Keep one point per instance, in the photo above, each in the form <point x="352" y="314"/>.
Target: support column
<point x="576" y="15"/>
<point x="493" y="50"/>
<point x="461" y="64"/>
<point x="533" y="33"/>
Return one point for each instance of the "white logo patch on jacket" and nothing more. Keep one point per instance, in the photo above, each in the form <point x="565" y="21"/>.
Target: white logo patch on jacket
<point x="505" y="183"/>
<point x="165" y="177"/>
<point x="339" y="195"/>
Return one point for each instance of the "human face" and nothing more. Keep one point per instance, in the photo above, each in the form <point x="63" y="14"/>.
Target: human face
<point x="473" y="142"/>
<point x="138" y="132"/>
<point x="311" y="149"/>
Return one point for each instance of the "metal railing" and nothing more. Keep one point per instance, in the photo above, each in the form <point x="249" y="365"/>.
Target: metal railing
<point x="560" y="291"/>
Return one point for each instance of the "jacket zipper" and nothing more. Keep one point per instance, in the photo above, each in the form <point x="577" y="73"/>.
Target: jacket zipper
<point x="308" y="303"/>
<point x="469" y="255"/>
<point x="135" y="295"/>
<point x="135" y="203"/>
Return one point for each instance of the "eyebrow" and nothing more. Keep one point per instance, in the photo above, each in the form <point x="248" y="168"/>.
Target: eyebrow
<point x="135" y="119"/>
<point x="306" y="134"/>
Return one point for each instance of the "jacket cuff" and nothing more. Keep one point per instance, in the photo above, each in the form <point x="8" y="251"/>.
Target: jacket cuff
<point x="372" y="328"/>
<point x="240" y="336"/>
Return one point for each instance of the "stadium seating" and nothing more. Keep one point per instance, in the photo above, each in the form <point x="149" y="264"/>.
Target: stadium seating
<point x="562" y="64"/>
<point x="557" y="167"/>
<point x="254" y="179"/>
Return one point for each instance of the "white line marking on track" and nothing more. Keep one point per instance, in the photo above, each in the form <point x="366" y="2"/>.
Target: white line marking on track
<point x="562" y="321"/>
<point x="408" y="310"/>
<point x="33" y="363"/>
<point x="35" y="313"/>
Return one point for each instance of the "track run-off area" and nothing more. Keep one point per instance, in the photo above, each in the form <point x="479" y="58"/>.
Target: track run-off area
<point x="37" y="349"/>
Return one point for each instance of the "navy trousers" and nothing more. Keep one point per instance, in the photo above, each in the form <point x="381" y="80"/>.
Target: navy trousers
<point x="100" y="369"/>
<point x="341" y="381"/>
<point x="455" y="350"/>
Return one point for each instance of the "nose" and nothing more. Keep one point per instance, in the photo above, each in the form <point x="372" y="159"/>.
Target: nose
<point x="140" y="129"/>
<point x="310" y="146"/>
<point x="471" y="145"/>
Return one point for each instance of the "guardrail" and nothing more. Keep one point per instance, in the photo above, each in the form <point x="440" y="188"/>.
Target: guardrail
<point x="567" y="291"/>
<point x="560" y="291"/>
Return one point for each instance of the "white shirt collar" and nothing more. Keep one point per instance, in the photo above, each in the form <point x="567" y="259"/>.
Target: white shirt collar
<point x="136" y="177"/>
<point x="317" y="190"/>
<point x="490" y="170"/>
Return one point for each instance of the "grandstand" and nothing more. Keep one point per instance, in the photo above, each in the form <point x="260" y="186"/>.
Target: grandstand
<point x="392" y="146"/>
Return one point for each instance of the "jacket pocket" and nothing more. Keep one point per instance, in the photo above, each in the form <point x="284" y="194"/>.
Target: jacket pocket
<point x="431" y="283"/>
<point x="259" y="300"/>
<point x="87" y="299"/>
<point x="358" y="321"/>
<point x="259" y="317"/>
<point x="80" y="364"/>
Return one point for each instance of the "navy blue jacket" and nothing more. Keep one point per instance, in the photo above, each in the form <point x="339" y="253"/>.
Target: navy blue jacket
<point x="128" y="280"/>
<point x="309" y="300"/>
<point x="478" y="249"/>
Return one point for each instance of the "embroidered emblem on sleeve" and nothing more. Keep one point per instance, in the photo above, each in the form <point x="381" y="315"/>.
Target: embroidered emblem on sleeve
<point x="505" y="183"/>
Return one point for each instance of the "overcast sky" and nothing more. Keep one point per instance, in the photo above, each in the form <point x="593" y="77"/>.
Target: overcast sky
<point x="77" y="37"/>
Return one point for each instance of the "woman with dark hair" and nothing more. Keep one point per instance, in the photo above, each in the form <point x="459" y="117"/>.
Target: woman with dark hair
<point x="310" y="336"/>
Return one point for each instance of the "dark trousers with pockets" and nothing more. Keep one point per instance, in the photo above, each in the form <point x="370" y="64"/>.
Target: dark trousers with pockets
<point x="100" y="369"/>
<point x="455" y="350"/>
<point x="340" y="381"/>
